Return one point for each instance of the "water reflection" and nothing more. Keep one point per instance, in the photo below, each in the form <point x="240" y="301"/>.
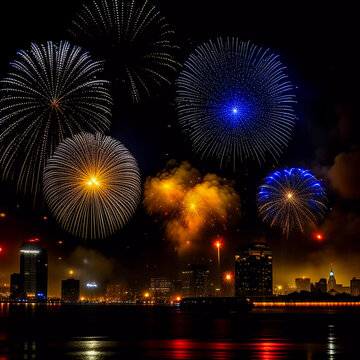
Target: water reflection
<point x="67" y="333"/>
<point x="184" y="349"/>
<point x="331" y="342"/>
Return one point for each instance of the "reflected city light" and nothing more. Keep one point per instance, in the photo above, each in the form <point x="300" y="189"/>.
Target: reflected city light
<point x="331" y="342"/>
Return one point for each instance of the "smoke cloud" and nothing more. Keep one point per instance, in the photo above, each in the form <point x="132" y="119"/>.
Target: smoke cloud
<point x="345" y="175"/>
<point x="189" y="204"/>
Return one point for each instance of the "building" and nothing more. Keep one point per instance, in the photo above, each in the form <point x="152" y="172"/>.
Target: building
<point x="33" y="270"/>
<point x="331" y="282"/>
<point x="113" y="293"/>
<point x="4" y="292"/>
<point x="253" y="270"/>
<point x="335" y="288"/>
<point x="195" y="281"/>
<point x="302" y="284"/>
<point x="15" y="286"/>
<point x="70" y="290"/>
<point x="161" y="288"/>
<point x="355" y="287"/>
<point x="116" y="293"/>
<point x="319" y="287"/>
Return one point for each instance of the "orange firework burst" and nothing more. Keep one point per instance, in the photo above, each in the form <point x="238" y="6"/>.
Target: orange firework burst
<point x="188" y="203"/>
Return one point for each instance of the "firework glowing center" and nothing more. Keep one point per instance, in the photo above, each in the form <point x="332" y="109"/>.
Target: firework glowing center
<point x="92" y="185"/>
<point x="93" y="182"/>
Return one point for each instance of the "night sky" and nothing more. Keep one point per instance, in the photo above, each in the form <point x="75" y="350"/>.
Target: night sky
<point x="319" y="45"/>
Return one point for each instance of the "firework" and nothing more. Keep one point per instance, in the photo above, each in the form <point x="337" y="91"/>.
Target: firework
<point x="189" y="204"/>
<point x="234" y="102"/>
<point x="92" y="185"/>
<point x="50" y="93"/>
<point x="291" y="199"/>
<point x="135" y="40"/>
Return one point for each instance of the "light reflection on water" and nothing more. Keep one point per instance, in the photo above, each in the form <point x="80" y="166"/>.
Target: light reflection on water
<point x="179" y="349"/>
<point x="30" y="332"/>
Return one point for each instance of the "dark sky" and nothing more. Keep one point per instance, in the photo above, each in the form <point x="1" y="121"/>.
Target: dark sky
<point x="319" y="44"/>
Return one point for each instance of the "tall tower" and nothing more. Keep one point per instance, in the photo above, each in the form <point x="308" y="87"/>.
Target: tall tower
<point x="33" y="270"/>
<point x="332" y="281"/>
<point x="253" y="270"/>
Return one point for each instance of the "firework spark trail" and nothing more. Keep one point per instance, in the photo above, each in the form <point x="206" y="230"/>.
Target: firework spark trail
<point x="189" y="204"/>
<point x="234" y="102"/>
<point x="92" y="185"/>
<point x="51" y="92"/>
<point x="134" y="37"/>
<point x="291" y="199"/>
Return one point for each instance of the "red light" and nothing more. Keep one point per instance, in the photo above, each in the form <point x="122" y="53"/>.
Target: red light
<point x="228" y="277"/>
<point x="218" y="243"/>
<point x="318" y="237"/>
<point x="34" y="240"/>
<point x="1" y="249"/>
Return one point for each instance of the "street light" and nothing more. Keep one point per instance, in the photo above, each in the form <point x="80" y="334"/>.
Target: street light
<point x="218" y="245"/>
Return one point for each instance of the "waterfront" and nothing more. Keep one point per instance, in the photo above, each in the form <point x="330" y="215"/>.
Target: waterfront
<point x="89" y="332"/>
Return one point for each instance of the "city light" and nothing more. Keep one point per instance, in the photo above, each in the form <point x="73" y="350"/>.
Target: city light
<point x="91" y="285"/>
<point x="146" y="295"/>
<point x="71" y="272"/>
<point x="178" y="298"/>
<point x="315" y="304"/>
<point x="1" y="249"/>
<point x="289" y="195"/>
<point x="30" y="251"/>
<point x="2" y="215"/>
<point x="228" y="277"/>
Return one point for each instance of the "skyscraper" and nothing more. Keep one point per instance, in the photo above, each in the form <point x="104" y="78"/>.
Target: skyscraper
<point x="195" y="281"/>
<point x="33" y="270"/>
<point x="15" y="286"/>
<point x="161" y="288"/>
<point x="331" y="282"/>
<point x="253" y="270"/>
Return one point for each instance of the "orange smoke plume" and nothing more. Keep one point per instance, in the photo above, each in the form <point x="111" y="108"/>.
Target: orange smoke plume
<point x="190" y="204"/>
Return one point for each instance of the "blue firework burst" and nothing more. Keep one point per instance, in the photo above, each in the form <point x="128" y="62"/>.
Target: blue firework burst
<point x="235" y="102"/>
<point x="291" y="199"/>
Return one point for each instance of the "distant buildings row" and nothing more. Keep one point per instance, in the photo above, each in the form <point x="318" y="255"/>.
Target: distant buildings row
<point x="330" y="286"/>
<point x="253" y="278"/>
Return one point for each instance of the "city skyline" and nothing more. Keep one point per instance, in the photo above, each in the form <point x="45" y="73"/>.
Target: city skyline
<point x="231" y="279"/>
